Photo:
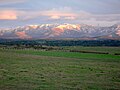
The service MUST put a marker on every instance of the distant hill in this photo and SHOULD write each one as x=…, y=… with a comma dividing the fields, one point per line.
x=62, y=31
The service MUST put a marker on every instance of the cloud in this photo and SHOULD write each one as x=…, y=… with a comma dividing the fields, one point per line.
x=2, y=2
x=56, y=14
x=107, y=17
x=64, y=15
x=60, y=12
x=55, y=17
x=68, y=14
x=8, y=15
x=70, y=18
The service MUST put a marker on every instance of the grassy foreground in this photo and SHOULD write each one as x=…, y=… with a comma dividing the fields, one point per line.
x=51, y=70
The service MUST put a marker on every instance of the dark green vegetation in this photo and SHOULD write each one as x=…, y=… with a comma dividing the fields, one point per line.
x=60, y=69
x=32, y=43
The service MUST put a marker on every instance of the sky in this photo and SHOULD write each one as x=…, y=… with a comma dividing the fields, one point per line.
x=15, y=13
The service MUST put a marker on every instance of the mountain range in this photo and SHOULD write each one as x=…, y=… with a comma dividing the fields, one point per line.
x=62, y=31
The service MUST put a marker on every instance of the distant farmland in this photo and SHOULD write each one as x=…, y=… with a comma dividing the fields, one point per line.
x=46, y=69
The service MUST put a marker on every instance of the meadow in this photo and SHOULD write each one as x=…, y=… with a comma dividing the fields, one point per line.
x=31, y=69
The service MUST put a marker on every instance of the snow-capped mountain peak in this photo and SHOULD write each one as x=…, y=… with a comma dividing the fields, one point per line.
x=61, y=31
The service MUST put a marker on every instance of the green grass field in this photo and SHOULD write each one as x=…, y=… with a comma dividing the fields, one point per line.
x=59, y=70
x=111, y=50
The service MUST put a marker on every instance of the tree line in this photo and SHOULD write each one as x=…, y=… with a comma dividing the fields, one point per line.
x=40, y=43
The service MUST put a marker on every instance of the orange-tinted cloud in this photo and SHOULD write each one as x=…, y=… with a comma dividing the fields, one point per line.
x=8, y=15
x=60, y=13
x=55, y=17
x=22, y=35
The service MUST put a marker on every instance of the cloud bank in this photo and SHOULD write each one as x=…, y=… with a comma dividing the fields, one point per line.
x=20, y=12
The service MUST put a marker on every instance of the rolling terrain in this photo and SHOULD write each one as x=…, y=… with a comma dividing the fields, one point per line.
x=62, y=31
